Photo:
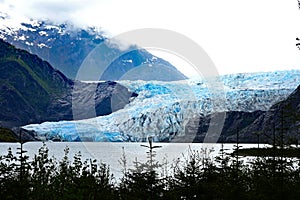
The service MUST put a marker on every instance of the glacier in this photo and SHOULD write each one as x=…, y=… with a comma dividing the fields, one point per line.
x=163, y=109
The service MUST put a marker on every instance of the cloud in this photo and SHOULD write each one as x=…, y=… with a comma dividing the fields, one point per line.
x=239, y=35
x=55, y=10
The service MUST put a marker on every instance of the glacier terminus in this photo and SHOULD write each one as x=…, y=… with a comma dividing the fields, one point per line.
x=163, y=109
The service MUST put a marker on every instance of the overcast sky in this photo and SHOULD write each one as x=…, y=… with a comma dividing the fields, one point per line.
x=238, y=35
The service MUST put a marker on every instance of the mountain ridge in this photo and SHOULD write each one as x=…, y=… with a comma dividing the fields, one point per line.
x=65, y=47
x=32, y=91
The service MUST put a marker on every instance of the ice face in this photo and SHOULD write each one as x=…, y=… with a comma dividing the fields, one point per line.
x=162, y=109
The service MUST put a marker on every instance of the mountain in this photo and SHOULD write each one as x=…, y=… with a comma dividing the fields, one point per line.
x=7, y=135
x=181, y=111
x=234, y=122
x=281, y=122
x=31, y=91
x=66, y=47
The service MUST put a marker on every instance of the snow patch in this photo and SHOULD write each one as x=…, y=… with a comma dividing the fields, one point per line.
x=22, y=38
x=29, y=43
x=43, y=33
x=41, y=45
x=127, y=61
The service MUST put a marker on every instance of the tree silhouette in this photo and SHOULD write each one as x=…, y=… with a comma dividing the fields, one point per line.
x=143, y=174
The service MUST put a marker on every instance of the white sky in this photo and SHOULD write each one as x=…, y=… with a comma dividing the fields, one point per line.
x=238, y=35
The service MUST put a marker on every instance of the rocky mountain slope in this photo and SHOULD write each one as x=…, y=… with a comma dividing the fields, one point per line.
x=234, y=121
x=280, y=124
x=31, y=91
x=65, y=47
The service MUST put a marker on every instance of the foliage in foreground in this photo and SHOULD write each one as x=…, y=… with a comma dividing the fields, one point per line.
x=196, y=176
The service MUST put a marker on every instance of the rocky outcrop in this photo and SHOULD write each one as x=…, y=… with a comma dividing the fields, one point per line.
x=234, y=121
x=31, y=91
x=280, y=124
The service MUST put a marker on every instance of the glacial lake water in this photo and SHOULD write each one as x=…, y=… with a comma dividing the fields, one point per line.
x=111, y=152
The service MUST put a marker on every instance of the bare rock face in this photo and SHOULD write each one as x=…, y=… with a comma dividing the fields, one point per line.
x=281, y=123
x=32, y=91
x=234, y=121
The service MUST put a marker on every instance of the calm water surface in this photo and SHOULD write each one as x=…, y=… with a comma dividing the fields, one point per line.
x=110, y=153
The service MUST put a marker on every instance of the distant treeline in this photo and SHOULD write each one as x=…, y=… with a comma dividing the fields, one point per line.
x=196, y=176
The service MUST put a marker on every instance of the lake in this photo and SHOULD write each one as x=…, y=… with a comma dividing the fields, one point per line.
x=111, y=152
